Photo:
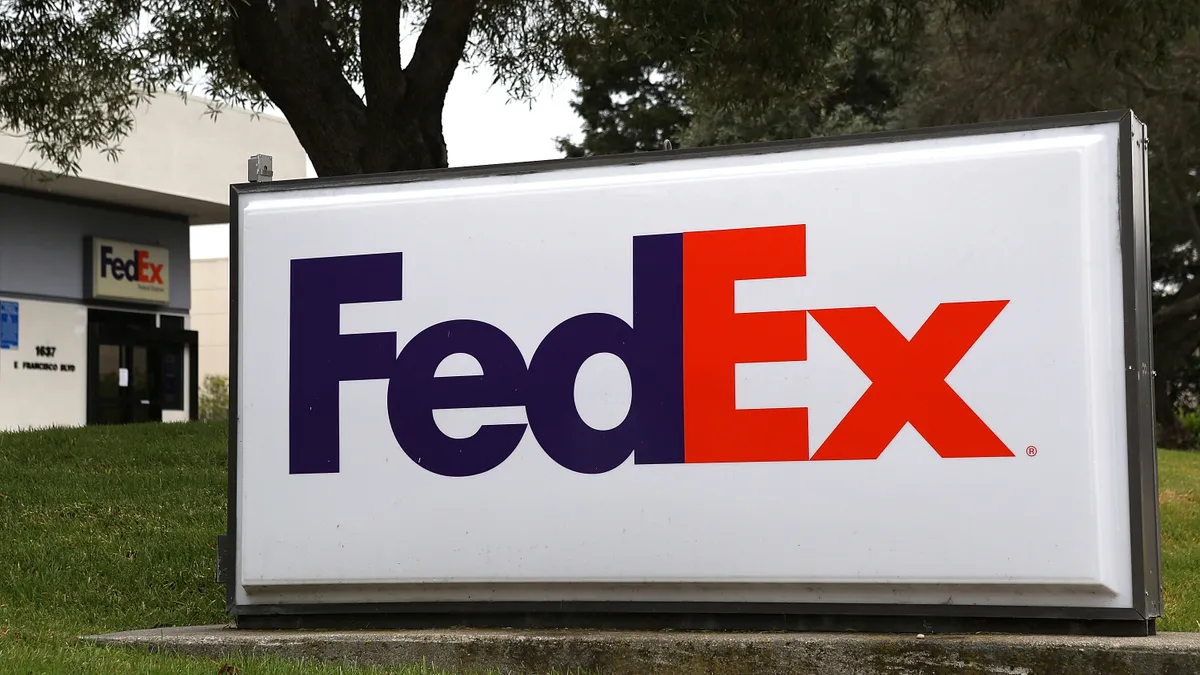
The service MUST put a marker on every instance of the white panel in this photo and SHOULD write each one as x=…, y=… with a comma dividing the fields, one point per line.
x=48, y=386
x=1028, y=217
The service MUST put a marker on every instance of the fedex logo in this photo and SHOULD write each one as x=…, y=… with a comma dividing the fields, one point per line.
x=138, y=269
x=680, y=351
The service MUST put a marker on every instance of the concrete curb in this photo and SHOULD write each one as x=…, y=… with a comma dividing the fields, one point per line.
x=690, y=653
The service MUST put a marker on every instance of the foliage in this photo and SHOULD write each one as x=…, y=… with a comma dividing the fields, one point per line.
x=71, y=75
x=856, y=92
x=1191, y=424
x=952, y=62
x=628, y=104
x=1036, y=57
x=774, y=86
x=214, y=398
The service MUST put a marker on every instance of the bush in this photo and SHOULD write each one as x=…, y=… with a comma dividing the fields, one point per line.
x=214, y=398
x=1191, y=423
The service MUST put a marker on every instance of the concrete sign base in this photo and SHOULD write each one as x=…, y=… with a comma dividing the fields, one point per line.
x=637, y=653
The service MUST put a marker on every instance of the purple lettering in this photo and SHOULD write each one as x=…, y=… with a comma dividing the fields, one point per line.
x=105, y=260
x=321, y=357
x=652, y=350
x=414, y=393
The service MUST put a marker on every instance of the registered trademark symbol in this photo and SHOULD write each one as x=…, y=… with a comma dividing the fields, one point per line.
x=1031, y=451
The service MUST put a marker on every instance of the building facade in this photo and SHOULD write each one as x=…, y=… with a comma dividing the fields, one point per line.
x=210, y=314
x=95, y=272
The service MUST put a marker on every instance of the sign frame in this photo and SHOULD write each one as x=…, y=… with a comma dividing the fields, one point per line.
x=1139, y=619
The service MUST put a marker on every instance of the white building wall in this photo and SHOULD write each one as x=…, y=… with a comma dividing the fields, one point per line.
x=178, y=159
x=210, y=315
x=34, y=397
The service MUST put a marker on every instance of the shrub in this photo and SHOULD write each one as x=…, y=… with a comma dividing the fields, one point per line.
x=1191, y=423
x=214, y=398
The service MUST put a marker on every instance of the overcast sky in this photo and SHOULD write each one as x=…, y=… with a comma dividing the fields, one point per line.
x=482, y=126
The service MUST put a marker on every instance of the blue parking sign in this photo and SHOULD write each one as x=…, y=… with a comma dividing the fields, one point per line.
x=10, y=324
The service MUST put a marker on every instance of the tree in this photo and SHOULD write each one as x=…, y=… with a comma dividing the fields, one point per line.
x=628, y=102
x=1018, y=58
x=71, y=75
x=1043, y=57
x=812, y=68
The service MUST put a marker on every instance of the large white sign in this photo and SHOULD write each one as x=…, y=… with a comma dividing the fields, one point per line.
x=857, y=373
x=129, y=272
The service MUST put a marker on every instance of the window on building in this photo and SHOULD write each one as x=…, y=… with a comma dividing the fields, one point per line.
x=171, y=322
x=172, y=377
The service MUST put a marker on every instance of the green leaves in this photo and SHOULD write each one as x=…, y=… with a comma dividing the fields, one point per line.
x=71, y=74
x=65, y=75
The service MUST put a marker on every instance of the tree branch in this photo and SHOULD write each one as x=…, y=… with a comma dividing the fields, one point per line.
x=1181, y=200
x=1189, y=217
x=379, y=40
x=440, y=48
x=1152, y=90
x=1180, y=308
x=287, y=54
x=383, y=79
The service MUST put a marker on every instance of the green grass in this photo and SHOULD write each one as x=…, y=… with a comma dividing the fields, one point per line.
x=1179, y=512
x=108, y=529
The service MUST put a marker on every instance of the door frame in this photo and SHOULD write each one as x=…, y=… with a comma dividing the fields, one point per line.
x=154, y=338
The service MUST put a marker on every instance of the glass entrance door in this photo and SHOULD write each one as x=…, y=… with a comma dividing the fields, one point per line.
x=138, y=368
x=127, y=381
x=109, y=396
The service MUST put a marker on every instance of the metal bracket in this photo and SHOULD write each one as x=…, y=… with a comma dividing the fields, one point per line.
x=259, y=169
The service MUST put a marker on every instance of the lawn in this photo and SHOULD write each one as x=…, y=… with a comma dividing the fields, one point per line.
x=109, y=528
x=1178, y=483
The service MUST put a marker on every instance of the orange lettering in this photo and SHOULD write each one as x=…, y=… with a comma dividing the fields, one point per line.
x=908, y=382
x=716, y=339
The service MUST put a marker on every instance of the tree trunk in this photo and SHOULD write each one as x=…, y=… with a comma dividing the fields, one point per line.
x=1176, y=340
x=289, y=50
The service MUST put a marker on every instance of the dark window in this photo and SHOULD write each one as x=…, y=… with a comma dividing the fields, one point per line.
x=172, y=322
x=114, y=318
x=172, y=377
x=108, y=387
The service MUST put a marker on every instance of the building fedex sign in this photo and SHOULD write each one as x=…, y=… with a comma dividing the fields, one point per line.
x=129, y=272
x=680, y=353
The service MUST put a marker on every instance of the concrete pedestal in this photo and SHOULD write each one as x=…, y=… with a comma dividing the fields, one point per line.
x=640, y=653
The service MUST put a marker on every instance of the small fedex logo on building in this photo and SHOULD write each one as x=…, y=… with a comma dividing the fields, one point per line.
x=138, y=270
x=680, y=350
x=129, y=272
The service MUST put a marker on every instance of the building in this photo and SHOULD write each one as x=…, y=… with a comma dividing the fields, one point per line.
x=95, y=269
x=210, y=314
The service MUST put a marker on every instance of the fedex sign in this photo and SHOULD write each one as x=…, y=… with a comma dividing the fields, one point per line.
x=680, y=352
x=138, y=269
x=909, y=374
x=132, y=272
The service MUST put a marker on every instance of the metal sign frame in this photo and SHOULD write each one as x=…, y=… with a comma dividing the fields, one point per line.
x=1142, y=452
